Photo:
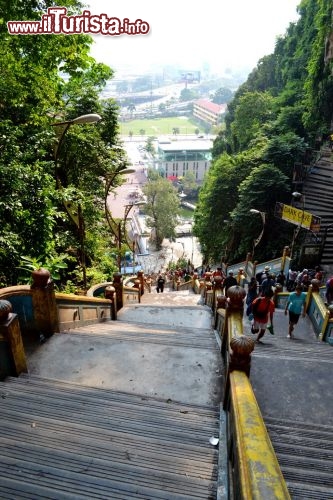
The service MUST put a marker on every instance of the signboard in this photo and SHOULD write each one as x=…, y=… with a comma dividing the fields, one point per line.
x=298, y=217
x=310, y=255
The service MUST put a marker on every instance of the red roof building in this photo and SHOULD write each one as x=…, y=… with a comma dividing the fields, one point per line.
x=208, y=111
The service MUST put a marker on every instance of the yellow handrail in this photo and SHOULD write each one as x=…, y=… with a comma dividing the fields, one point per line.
x=259, y=475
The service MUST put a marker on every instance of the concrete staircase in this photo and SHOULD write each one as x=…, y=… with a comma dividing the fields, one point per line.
x=292, y=383
x=318, y=191
x=305, y=454
x=120, y=410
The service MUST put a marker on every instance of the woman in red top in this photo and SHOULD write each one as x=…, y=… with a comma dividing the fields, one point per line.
x=262, y=309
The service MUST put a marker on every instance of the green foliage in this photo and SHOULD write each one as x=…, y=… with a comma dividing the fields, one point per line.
x=222, y=95
x=285, y=104
x=189, y=183
x=162, y=209
x=188, y=95
x=260, y=190
x=53, y=263
x=149, y=147
x=217, y=198
x=45, y=79
x=253, y=110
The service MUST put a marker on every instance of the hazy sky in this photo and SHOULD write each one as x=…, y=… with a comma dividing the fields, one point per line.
x=223, y=33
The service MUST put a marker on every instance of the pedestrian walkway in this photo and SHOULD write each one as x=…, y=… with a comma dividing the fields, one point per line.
x=291, y=379
x=118, y=410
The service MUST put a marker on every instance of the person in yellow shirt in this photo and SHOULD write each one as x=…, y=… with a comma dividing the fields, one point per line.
x=241, y=277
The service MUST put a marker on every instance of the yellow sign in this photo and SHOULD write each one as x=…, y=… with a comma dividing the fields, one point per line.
x=296, y=216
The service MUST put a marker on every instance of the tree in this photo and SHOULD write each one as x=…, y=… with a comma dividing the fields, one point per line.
x=253, y=110
x=142, y=131
x=188, y=95
x=34, y=94
x=222, y=95
x=260, y=190
x=162, y=209
x=188, y=182
x=149, y=147
x=131, y=108
x=217, y=199
x=175, y=130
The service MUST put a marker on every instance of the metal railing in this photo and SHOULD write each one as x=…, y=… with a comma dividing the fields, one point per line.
x=253, y=466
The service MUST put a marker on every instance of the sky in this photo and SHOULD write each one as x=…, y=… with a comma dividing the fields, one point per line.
x=221, y=33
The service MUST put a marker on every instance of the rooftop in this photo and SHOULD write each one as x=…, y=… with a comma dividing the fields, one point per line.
x=192, y=145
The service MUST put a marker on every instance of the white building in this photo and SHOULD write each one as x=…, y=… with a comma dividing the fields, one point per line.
x=176, y=158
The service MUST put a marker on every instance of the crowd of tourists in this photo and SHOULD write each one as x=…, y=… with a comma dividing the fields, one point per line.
x=261, y=288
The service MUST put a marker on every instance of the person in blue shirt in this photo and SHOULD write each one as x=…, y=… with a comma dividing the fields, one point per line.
x=296, y=305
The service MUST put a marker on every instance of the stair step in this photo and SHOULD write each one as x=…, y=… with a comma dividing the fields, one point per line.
x=305, y=454
x=175, y=316
x=121, y=330
x=82, y=442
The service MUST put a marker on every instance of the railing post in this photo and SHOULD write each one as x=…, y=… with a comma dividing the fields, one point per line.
x=217, y=286
x=148, y=283
x=118, y=285
x=141, y=277
x=239, y=347
x=240, y=355
x=110, y=293
x=285, y=254
x=11, y=334
x=137, y=284
x=45, y=309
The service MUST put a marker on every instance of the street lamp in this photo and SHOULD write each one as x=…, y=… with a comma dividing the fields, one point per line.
x=263, y=219
x=75, y=213
x=297, y=196
x=118, y=228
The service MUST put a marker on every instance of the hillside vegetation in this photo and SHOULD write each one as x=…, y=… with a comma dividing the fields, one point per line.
x=273, y=121
x=53, y=177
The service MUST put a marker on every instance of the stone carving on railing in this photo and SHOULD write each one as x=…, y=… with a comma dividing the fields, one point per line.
x=221, y=302
x=315, y=285
x=5, y=309
x=236, y=295
x=11, y=334
x=217, y=282
x=240, y=353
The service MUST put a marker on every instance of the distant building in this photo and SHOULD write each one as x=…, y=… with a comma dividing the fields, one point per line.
x=177, y=158
x=190, y=76
x=208, y=111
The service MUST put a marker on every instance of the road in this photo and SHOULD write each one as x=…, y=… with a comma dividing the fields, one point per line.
x=185, y=247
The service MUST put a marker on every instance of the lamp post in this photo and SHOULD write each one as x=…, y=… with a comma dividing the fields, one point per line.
x=118, y=228
x=297, y=196
x=263, y=219
x=75, y=212
x=122, y=236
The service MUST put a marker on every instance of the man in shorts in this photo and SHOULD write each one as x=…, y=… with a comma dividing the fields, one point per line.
x=262, y=309
x=296, y=305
